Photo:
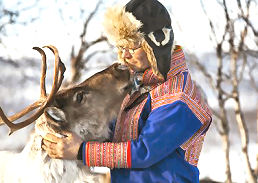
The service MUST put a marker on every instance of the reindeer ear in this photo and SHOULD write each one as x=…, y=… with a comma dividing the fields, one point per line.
x=80, y=97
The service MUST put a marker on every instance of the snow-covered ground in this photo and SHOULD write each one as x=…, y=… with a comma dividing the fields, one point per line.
x=212, y=162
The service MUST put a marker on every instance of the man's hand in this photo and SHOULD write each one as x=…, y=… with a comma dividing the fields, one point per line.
x=62, y=148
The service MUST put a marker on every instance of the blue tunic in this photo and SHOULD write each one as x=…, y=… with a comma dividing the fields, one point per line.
x=156, y=155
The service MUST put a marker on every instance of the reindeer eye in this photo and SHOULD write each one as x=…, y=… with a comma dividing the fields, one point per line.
x=79, y=97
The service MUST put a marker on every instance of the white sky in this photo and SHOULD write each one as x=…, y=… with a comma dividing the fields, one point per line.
x=51, y=29
x=190, y=25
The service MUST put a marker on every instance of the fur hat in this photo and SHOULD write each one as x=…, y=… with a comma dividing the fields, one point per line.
x=144, y=22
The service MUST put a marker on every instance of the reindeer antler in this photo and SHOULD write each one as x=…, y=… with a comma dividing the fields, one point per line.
x=44, y=100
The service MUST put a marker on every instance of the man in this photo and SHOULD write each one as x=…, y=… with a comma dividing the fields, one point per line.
x=161, y=125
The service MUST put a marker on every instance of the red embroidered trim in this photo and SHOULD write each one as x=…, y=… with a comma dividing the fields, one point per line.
x=149, y=78
x=87, y=154
x=112, y=155
x=178, y=63
x=127, y=123
x=193, y=152
x=129, y=159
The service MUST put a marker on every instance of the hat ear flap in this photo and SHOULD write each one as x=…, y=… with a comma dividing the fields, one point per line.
x=152, y=59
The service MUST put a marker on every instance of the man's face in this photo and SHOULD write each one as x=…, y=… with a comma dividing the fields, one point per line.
x=136, y=59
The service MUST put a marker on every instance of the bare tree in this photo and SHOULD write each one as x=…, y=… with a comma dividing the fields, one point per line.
x=7, y=17
x=256, y=169
x=78, y=60
x=222, y=122
x=252, y=67
x=238, y=53
x=11, y=16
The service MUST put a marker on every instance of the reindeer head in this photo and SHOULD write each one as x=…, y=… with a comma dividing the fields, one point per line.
x=85, y=109
x=88, y=108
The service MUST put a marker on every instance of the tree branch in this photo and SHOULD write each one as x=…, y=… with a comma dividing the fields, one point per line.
x=86, y=23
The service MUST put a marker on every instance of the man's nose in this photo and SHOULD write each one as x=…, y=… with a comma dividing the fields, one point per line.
x=127, y=54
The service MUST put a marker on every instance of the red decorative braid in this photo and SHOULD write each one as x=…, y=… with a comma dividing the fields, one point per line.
x=127, y=121
x=193, y=152
x=112, y=155
x=87, y=154
x=178, y=63
x=129, y=159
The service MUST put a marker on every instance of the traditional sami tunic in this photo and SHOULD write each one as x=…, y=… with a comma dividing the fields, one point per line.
x=158, y=135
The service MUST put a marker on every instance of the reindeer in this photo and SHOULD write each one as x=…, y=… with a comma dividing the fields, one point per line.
x=85, y=109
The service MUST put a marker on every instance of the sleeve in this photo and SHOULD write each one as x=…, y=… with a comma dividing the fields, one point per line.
x=166, y=128
x=108, y=154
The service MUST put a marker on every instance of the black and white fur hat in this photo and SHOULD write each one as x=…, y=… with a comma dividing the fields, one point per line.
x=145, y=22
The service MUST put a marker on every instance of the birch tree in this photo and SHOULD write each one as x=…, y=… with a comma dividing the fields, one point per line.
x=231, y=46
